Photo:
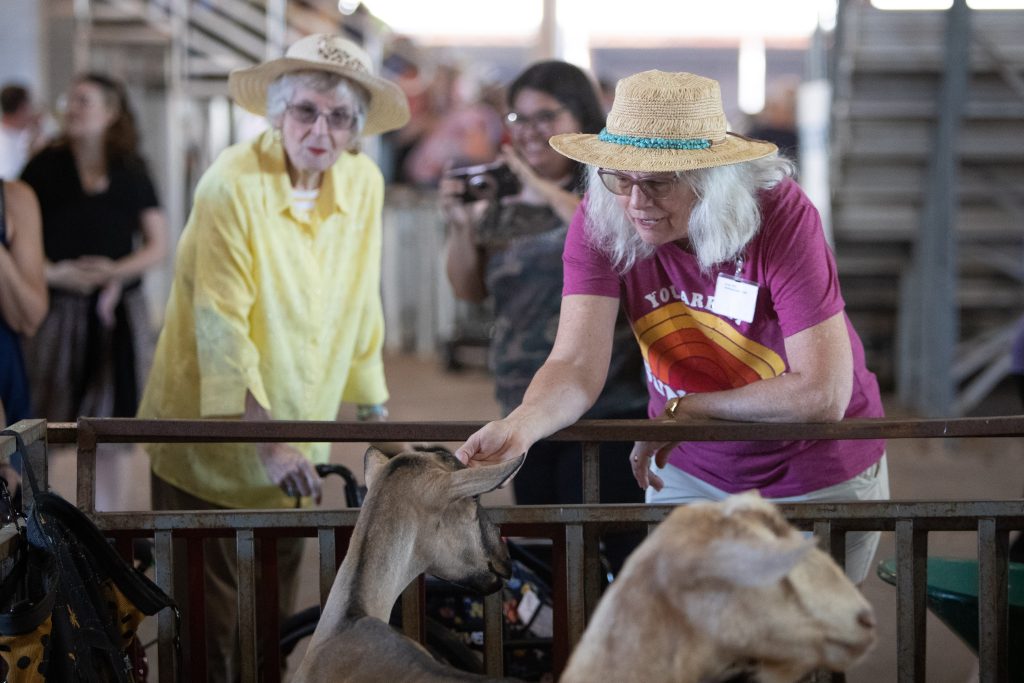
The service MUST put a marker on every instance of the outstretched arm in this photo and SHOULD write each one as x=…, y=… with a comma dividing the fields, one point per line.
x=562, y=390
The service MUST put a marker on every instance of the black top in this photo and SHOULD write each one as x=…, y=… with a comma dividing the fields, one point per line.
x=78, y=224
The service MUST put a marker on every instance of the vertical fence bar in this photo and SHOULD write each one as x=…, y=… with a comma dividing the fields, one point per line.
x=328, y=540
x=833, y=542
x=167, y=620
x=245, y=544
x=911, y=581
x=35, y=454
x=494, y=645
x=195, y=562
x=591, y=453
x=269, y=617
x=993, y=614
x=86, y=467
x=573, y=568
x=413, y=624
x=561, y=647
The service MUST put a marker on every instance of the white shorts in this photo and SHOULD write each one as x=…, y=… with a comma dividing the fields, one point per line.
x=871, y=484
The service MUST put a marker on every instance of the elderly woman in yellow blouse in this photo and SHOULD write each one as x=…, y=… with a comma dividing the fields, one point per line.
x=275, y=311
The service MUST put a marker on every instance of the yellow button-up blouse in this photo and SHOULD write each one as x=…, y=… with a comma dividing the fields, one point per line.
x=281, y=303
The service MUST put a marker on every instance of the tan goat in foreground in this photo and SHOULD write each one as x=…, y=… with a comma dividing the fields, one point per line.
x=421, y=515
x=720, y=589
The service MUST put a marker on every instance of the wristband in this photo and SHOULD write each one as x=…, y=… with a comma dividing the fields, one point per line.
x=377, y=411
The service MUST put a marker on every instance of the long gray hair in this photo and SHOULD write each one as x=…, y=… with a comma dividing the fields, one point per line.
x=724, y=218
x=282, y=90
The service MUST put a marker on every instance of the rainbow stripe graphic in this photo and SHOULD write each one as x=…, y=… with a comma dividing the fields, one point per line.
x=697, y=351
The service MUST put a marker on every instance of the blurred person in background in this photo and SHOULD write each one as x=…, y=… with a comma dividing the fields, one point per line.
x=23, y=295
x=466, y=127
x=23, y=303
x=275, y=310
x=20, y=130
x=510, y=248
x=103, y=229
x=776, y=122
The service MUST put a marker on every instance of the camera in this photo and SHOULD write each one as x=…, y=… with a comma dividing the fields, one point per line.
x=486, y=181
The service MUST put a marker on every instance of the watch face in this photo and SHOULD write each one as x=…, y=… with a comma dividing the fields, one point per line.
x=672, y=406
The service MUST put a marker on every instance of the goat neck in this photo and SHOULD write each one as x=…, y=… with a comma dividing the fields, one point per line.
x=381, y=561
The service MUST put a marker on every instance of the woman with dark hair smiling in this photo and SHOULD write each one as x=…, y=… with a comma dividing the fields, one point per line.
x=511, y=249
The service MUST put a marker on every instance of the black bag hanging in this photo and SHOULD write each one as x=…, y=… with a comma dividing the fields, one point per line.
x=84, y=602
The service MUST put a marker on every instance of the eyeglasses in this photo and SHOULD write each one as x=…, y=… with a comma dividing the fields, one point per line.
x=542, y=119
x=307, y=114
x=655, y=187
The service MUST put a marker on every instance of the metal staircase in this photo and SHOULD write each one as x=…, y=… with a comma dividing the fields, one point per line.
x=928, y=198
x=214, y=36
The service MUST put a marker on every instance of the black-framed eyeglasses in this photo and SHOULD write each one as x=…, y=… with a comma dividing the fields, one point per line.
x=655, y=187
x=337, y=119
x=541, y=119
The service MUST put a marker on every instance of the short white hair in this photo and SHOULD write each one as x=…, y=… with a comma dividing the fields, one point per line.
x=282, y=90
x=724, y=218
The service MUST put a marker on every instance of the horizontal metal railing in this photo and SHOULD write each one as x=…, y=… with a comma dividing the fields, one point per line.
x=574, y=529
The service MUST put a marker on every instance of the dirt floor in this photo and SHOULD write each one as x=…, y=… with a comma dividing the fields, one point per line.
x=963, y=469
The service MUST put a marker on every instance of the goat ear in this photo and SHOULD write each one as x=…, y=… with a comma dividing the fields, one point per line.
x=741, y=562
x=472, y=481
x=374, y=462
x=749, y=562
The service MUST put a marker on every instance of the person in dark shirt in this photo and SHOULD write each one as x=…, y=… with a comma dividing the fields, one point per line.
x=102, y=230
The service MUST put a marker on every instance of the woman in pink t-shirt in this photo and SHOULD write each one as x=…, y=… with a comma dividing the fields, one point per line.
x=720, y=262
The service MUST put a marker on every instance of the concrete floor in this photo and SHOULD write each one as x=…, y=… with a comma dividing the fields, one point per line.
x=961, y=469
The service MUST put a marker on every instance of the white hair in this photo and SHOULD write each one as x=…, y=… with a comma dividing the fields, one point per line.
x=282, y=90
x=724, y=217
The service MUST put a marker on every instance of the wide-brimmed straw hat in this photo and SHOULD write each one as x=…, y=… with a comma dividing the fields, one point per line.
x=663, y=122
x=387, y=109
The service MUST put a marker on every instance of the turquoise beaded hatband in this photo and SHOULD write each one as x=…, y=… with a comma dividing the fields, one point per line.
x=663, y=121
x=652, y=143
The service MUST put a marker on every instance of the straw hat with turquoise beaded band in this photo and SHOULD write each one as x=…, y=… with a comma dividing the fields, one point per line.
x=663, y=121
x=387, y=108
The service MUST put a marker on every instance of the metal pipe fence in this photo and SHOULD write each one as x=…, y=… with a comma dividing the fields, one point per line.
x=573, y=529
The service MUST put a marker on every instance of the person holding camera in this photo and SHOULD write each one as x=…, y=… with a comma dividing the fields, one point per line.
x=507, y=225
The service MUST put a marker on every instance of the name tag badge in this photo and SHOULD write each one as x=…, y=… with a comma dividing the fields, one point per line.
x=735, y=298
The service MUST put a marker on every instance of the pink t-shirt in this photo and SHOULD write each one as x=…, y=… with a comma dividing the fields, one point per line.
x=689, y=349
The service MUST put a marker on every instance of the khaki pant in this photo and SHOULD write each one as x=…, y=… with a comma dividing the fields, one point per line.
x=871, y=484
x=220, y=587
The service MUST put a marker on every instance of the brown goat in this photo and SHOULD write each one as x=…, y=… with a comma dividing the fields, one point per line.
x=720, y=589
x=421, y=515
